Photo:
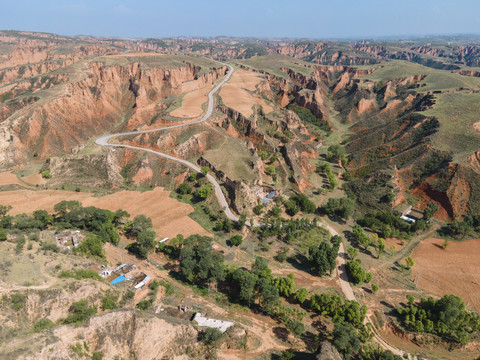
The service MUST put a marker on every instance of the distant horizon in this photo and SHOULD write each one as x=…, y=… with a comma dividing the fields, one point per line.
x=379, y=37
x=268, y=19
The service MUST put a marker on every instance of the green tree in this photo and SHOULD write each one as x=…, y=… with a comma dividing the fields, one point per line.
x=270, y=170
x=357, y=274
x=46, y=174
x=352, y=253
x=291, y=207
x=205, y=170
x=184, y=189
x=335, y=153
x=380, y=246
x=258, y=209
x=3, y=235
x=92, y=246
x=285, y=286
x=346, y=340
x=323, y=258
x=236, y=240
x=301, y=295
x=204, y=192
x=211, y=337
x=410, y=262
x=4, y=209
x=275, y=211
x=430, y=211
x=79, y=312
x=262, y=154
x=296, y=328
x=374, y=288
x=243, y=283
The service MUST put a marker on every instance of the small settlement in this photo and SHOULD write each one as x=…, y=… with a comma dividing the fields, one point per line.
x=126, y=272
x=67, y=240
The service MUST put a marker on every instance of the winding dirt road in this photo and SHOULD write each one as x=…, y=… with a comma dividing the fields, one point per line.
x=341, y=260
x=104, y=141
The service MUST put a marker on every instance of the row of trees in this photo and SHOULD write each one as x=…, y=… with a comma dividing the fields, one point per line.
x=326, y=169
x=103, y=226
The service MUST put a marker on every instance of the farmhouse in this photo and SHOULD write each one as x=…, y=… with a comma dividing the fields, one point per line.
x=221, y=325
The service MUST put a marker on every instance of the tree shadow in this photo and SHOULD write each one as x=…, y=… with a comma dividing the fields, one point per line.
x=311, y=340
x=281, y=333
x=386, y=304
x=300, y=262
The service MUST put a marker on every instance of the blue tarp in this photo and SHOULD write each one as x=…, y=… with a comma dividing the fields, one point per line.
x=271, y=195
x=118, y=280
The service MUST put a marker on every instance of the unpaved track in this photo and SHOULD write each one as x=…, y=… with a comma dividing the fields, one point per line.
x=341, y=260
x=104, y=141
x=349, y=295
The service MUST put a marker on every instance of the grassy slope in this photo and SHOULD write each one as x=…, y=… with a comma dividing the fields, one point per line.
x=457, y=111
x=435, y=80
x=274, y=63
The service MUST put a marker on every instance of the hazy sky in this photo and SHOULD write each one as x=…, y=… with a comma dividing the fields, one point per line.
x=256, y=18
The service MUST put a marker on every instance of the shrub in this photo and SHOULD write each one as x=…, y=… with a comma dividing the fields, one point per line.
x=43, y=324
x=109, y=302
x=80, y=274
x=79, y=312
x=46, y=174
x=144, y=304
x=258, y=209
x=50, y=247
x=18, y=301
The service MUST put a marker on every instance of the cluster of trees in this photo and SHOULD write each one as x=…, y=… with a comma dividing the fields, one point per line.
x=326, y=169
x=303, y=203
x=202, y=191
x=469, y=226
x=348, y=311
x=336, y=153
x=445, y=317
x=102, y=224
x=198, y=263
x=343, y=207
x=357, y=273
x=387, y=224
x=286, y=230
x=323, y=259
x=141, y=229
x=258, y=288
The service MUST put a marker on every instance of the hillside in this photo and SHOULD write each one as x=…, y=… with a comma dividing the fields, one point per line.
x=299, y=189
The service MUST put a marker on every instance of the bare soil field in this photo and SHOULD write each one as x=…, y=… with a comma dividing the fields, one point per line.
x=455, y=270
x=192, y=103
x=8, y=178
x=235, y=95
x=35, y=179
x=169, y=216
